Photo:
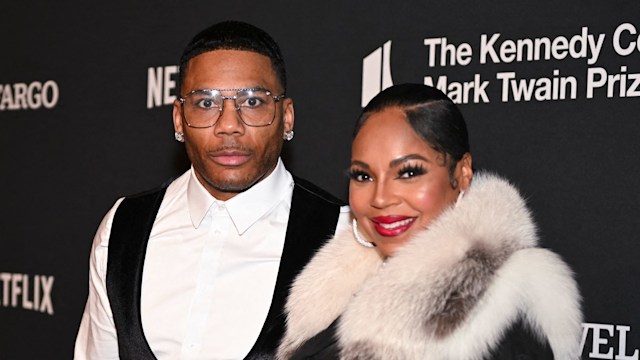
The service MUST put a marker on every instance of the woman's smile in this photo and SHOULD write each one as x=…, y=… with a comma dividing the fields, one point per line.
x=392, y=225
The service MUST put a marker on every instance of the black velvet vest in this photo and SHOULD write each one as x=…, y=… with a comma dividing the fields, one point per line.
x=312, y=220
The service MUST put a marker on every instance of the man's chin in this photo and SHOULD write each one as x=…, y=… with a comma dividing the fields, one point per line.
x=229, y=183
x=233, y=186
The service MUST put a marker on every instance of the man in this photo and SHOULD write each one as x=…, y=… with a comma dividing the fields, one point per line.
x=221, y=244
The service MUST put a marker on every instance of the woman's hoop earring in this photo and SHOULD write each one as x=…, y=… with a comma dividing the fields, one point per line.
x=460, y=195
x=358, y=237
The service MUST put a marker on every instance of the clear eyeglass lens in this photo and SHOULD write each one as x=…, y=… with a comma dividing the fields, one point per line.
x=256, y=107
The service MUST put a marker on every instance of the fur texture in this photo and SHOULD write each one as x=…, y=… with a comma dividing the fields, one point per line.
x=449, y=293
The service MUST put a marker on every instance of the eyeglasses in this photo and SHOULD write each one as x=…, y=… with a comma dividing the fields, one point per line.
x=256, y=106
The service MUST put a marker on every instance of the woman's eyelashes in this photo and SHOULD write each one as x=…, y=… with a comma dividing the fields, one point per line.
x=405, y=172
x=410, y=171
x=359, y=175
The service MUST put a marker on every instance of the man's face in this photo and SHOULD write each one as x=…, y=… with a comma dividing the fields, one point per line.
x=230, y=157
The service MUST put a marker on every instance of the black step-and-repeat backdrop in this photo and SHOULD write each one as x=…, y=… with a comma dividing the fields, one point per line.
x=550, y=90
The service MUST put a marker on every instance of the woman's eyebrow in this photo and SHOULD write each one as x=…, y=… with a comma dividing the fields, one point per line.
x=402, y=159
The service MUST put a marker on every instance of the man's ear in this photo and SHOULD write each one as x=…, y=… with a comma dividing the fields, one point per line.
x=177, y=116
x=288, y=114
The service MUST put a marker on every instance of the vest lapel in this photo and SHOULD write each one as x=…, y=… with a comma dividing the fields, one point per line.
x=130, y=232
x=312, y=221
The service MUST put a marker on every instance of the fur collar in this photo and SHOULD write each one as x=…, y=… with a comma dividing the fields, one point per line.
x=452, y=290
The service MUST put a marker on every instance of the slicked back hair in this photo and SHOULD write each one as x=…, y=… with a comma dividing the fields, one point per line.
x=431, y=114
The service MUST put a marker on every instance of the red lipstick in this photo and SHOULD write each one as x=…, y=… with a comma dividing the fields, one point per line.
x=392, y=225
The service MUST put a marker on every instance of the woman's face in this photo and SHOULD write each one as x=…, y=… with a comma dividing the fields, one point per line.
x=399, y=183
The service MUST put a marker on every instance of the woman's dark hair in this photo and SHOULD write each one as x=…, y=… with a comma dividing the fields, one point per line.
x=234, y=35
x=431, y=114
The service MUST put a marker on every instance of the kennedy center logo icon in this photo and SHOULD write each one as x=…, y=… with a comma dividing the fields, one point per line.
x=376, y=72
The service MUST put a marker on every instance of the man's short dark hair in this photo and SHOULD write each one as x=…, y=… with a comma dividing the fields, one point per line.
x=234, y=35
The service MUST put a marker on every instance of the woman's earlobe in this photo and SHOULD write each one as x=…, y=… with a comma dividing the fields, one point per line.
x=466, y=171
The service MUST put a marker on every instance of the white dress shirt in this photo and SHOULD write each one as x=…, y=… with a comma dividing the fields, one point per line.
x=209, y=272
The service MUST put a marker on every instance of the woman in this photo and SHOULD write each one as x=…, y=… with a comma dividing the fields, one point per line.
x=436, y=266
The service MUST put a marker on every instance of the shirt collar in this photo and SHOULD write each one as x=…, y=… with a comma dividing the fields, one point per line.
x=248, y=206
